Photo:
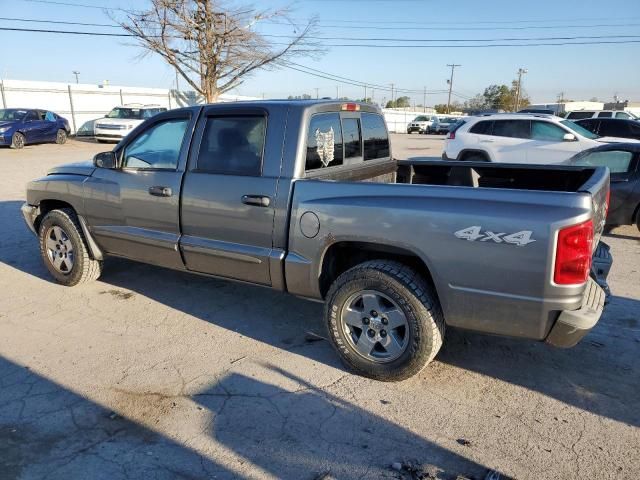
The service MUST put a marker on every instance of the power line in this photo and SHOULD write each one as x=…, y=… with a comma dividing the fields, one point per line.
x=383, y=39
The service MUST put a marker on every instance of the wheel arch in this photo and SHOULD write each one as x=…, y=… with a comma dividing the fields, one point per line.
x=341, y=256
x=470, y=151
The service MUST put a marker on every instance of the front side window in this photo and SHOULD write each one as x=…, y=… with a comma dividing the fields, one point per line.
x=374, y=136
x=158, y=147
x=511, y=128
x=233, y=145
x=605, y=115
x=618, y=161
x=32, y=116
x=324, y=141
x=546, y=132
x=352, y=139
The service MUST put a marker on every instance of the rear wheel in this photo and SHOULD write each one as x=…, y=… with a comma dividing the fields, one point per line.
x=61, y=137
x=17, y=141
x=64, y=250
x=384, y=320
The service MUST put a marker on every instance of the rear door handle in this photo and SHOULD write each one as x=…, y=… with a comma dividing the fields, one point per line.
x=160, y=191
x=256, y=200
x=487, y=141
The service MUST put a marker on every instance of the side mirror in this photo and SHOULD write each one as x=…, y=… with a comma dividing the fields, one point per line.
x=569, y=137
x=105, y=160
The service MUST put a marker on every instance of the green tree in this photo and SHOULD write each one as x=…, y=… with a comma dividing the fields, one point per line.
x=441, y=108
x=403, y=102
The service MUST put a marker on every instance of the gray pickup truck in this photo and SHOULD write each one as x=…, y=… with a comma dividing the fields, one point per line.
x=305, y=197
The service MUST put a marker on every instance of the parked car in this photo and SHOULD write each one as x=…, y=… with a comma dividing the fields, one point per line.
x=120, y=121
x=612, y=127
x=623, y=161
x=422, y=124
x=580, y=114
x=442, y=125
x=22, y=126
x=311, y=202
x=519, y=138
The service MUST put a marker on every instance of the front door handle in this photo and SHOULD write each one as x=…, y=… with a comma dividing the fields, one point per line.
x=256, y=200
x=159, y=191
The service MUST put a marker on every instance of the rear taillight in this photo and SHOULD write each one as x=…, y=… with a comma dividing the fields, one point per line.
x=573, y=254
x=451, y=135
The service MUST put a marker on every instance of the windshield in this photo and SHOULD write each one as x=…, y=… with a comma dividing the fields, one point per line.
x=579, y=130
x=12, y=114
x=450, y=120
x=420, y=119
x=129, y=113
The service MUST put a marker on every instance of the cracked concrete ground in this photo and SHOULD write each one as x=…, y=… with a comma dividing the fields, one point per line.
x=150, y=373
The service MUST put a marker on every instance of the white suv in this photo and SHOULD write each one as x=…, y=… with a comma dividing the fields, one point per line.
x=580, y=114
x=121, y=120
x=519, y=138
x=422, y=124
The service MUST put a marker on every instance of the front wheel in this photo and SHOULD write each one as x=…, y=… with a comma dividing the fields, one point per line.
x=64, y=250
x=384, y=320
x=61, y=137
x=17, y=141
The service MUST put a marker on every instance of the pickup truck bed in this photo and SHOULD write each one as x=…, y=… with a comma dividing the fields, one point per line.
x=305, y=197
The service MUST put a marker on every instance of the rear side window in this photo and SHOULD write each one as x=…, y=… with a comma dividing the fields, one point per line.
x=511, y=128
x=579, y=115
x=232, y=145
x=546, y=132
x=324, y=141
x=352, y=139
x=605, y=115
x=623, y=115
x=375, y=137
x=482, y=128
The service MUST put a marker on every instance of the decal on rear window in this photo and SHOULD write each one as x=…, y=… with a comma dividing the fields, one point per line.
x=325, y=142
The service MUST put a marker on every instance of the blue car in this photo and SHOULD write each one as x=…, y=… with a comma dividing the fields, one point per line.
x=20, y=126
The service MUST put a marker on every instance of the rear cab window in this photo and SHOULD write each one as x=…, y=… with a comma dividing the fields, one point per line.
x=335, y=140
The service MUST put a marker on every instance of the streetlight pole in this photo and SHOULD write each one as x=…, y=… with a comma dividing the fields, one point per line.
x=453, y=67
x=521, y=71
x=76, y=73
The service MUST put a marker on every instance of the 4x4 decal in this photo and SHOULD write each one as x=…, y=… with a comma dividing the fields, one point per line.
x=475, y=233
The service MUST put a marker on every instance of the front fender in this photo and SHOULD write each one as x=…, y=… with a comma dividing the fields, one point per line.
x=61, y=188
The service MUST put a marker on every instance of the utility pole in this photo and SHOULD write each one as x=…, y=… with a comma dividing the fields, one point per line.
x=424, y=101
x=76, y=73
x=521, y=71
x=317, y=94
x=450, y=81
x=177, y=85
x=337, y=92
x=365, y=94
x=393, y=100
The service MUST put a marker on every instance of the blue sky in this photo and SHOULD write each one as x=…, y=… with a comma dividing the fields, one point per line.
x=580, y=71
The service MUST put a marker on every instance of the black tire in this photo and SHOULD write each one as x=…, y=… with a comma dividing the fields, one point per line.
x=17, y=141
x=475, y=157
x=417, y=301
x=61, y=137
x=101, y=141
x=84, y=268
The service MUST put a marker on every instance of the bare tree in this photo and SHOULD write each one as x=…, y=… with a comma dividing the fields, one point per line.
x=212, y=45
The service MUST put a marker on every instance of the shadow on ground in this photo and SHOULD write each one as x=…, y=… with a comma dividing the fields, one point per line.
x=48, y=431
x=599, y=375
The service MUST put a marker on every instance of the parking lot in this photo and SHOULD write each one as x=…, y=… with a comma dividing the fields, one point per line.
x=150, y=373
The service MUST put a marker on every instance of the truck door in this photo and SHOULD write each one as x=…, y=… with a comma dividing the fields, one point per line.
x=228, y=195
x=133, y=210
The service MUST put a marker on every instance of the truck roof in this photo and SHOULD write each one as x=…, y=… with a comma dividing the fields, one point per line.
x=320, y=105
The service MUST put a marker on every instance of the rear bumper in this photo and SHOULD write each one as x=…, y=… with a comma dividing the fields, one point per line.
x=573, y=325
